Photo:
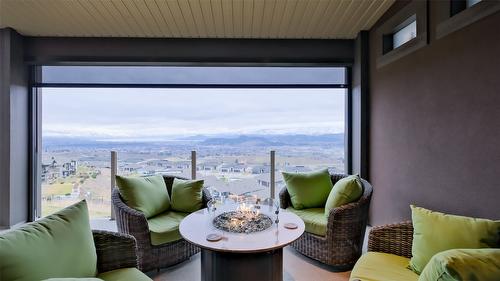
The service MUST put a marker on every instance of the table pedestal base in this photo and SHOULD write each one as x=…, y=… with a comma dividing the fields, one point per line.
x=224, y=266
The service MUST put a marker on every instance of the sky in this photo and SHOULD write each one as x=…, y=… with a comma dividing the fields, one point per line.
x=114, y=113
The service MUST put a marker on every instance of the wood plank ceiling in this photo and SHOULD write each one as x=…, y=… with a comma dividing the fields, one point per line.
x=321, y=19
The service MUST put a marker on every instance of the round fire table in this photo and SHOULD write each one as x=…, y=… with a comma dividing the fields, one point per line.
x=241, y=256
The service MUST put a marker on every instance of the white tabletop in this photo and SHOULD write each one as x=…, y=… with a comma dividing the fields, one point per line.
x=196, y=226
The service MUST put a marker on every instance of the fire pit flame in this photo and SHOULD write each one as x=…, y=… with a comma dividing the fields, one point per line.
x=246, y=219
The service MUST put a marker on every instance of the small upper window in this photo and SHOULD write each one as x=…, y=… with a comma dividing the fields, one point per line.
x=402, y=34
x=471, y=3
x=405, y=34
x=456, y=6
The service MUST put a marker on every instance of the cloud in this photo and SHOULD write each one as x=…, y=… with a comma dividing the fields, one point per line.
x=125, y=113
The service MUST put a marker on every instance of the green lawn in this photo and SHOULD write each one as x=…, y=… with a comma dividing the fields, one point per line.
x=57, y=189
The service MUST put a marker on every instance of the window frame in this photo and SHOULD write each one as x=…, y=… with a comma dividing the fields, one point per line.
x=415, y=10
x=36, y=112
x=449, y=23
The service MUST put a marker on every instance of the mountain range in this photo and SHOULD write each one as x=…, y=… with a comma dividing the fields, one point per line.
x=229, y=140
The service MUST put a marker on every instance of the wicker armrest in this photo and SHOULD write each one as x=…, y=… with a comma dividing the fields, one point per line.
x=284, y=198
x=130, y=221
x=114, y=250
x=347, y=211
x=349, y=220
x=392, y=239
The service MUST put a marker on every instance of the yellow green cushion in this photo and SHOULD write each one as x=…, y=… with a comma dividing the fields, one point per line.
x=463, y=264
x=164, y=228
x=434, y=232
x=374, y=266
x=308, y=190
x=314, y=219
x=124, y=274
x=59, y=245
x=146, y=194
x=187, y=195
x=346, y=190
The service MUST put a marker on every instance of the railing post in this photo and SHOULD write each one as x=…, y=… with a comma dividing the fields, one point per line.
x=114, y=169
x=193, y=164
x=272, y=173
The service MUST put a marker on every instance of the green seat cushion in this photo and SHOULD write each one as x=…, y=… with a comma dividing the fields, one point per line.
x=373, y=266
x=308, y=190
x=58, y=245
x=124, y=274
x=187, y=195
x=434, y=232
x=164, y=228
x=463, y=264
x=314, y=219
x=346, y=190
x=146, y=194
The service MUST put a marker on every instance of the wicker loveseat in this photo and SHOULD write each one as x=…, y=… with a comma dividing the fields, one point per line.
x=133, y=222
x=395, y=240
x=342, y=244
x=390, y=251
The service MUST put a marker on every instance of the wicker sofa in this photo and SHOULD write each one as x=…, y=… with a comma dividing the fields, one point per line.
x=133, y=222
x=395, y=240
x=346, y=225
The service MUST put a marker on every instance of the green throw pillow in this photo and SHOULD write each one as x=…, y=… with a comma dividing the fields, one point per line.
x=56, y=246
x=308, y=190
x=346, y=190
x=187, y=195
x=146, y=194
x=434, y=232
x=463, y=264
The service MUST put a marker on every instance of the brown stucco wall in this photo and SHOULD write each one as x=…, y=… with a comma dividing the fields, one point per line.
x=435, y=125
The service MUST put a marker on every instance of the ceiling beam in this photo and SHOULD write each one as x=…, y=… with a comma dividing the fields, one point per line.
x=85, y=50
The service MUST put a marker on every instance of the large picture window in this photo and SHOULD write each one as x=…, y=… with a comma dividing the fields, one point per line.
x=154, y=130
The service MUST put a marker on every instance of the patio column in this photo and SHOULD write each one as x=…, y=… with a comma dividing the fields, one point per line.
x=14, y=131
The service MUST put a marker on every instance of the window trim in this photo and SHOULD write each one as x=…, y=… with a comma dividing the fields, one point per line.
x=448, y=24
x=35, y=100
x=415, y=10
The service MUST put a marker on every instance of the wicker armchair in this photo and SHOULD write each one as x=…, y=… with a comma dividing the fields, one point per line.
x=342, y=245
x=114, y=250
x=393, y=239
x=133, y=222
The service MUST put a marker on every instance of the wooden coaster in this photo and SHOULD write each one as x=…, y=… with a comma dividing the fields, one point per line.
x=291, y=225
x=214, y=237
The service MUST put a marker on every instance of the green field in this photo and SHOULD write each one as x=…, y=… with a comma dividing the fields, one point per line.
x=57, y=189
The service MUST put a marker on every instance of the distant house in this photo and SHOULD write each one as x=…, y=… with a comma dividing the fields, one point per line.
x=158, y=163
x=232, y=168
x=51, y=172
x=69, y=169
x=265, y=180
x=207, y=166
x=184, y=164
x=130, y=168
x=259, y=169
x=296, y=169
